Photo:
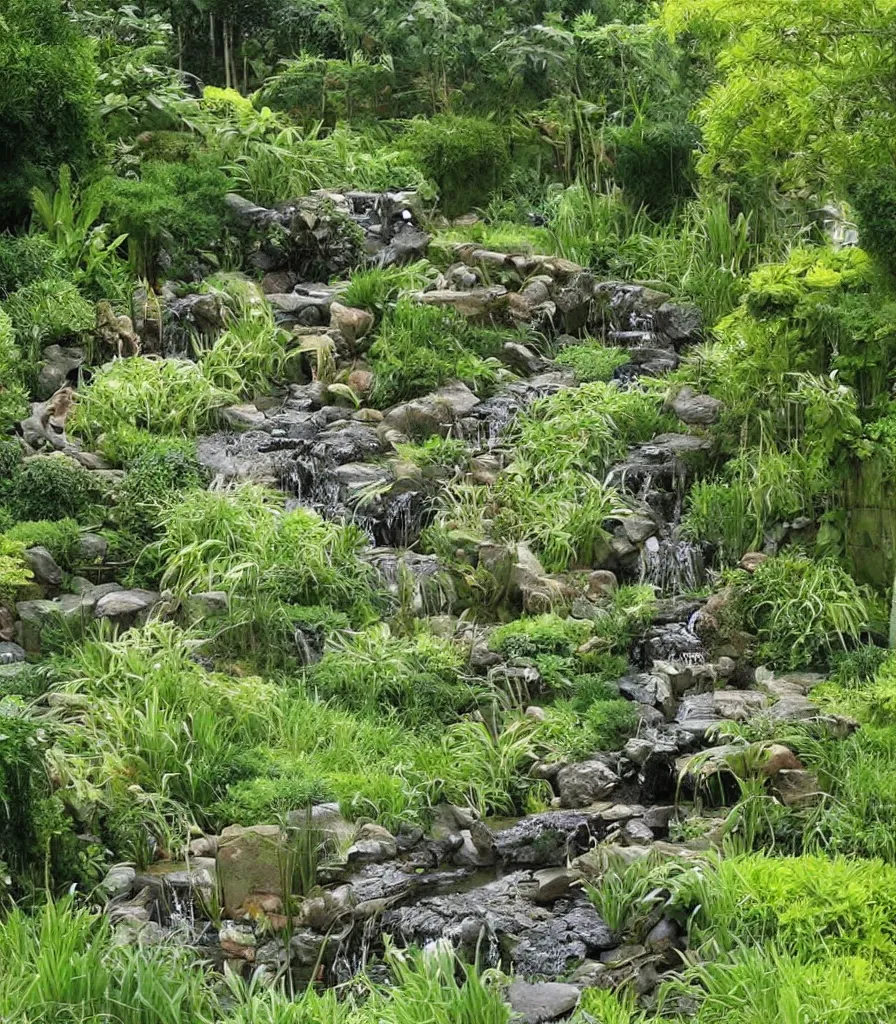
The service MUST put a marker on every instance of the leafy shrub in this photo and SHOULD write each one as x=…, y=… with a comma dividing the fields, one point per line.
x=52, y=309
x=592, y=361
x=162, y=396
x=251, y=354
x=541, y=634
x=801, y=610
x=24, y=259
x=13, y=396
x=157, y=470
x=551, y=495
x=242, y=542
x=375, y=288
x=176, y=209
x=53, y=487
x=48, y=110
x=30, y=818
x=467, y=158
x=653, y=162
x=420, y=678
x=794, y=901
x=419, y=348
x=443, y=452
x=874, y=199
x=14, y=573
x=313, y=89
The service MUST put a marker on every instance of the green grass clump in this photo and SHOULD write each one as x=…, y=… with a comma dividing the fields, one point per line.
x=163, y=396
x=377, y=288
x=592, y=361
x=552, y=495
x=421, y=678
x=61, y=538
x=65, y=956
x=242, y=542
x=802, y=610
x=541, y=634
x=419, y=348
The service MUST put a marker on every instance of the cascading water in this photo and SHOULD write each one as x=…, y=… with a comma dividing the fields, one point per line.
x=672, y=565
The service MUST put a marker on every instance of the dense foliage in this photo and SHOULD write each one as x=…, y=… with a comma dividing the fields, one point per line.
x=334, y=586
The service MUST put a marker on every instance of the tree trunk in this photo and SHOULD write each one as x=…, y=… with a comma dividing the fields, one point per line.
x=225, y=35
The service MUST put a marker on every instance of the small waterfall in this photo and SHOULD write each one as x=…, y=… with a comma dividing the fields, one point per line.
x=672, y=565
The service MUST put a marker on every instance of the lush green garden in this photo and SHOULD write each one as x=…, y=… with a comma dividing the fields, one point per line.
x=733, y=159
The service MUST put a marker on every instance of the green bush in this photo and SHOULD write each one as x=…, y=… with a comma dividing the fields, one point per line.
x=802, y=611
x=241, y=541
x=653, y=163
x=13, y=396
x=61, y=538
x=467, y=158
x=174, y=214
x=874, y=200
x=48, y=108
x=420, y=679
x=541, y=634
x=162, y=396
x=51, y=309
x=592, y=361
x=53, y=487
x=26, y=258
x=419, y=348
x=313, y=89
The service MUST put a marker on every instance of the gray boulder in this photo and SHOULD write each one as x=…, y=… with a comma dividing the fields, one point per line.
x=43, y=567
x=695, y=409
x=125, y=606
x=585, y=783
x=542, y=1001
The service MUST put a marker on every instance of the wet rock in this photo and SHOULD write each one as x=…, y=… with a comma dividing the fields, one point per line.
x=522, y=359
x=663, y=937
x=433, y=413
x=543, y=1001
x=638, y=528
x=60, y=367
x=243, y=417
x=249, y=863
x=93, y=548
x=656, y=777
x=548, y=839
x=796, y=787
x=238, y=941
x=477, y=302
x=118, y=880
x=657, y=818
x=752, y=560
x=10, y=653
x=695, y=409
x=602, y=583
x=321, y=910
x=636, y=833
x=738, y=705
x=352, y=324
x=552, y=884
x=585, y=783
